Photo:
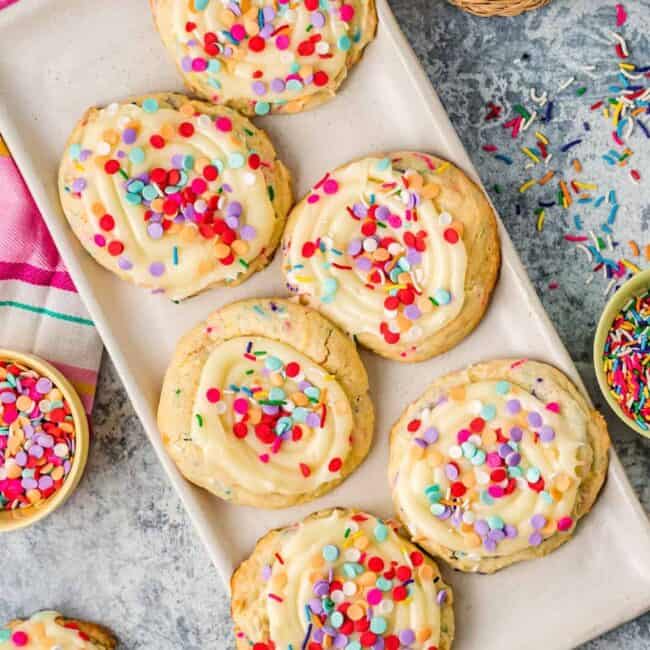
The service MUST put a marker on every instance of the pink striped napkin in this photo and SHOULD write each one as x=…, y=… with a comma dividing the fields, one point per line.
x=40, y=309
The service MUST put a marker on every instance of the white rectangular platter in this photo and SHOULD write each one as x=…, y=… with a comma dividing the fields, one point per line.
x=59, y=56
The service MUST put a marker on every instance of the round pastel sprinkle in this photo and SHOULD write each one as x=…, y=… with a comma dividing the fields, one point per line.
x=330, y=553
x=150, y=105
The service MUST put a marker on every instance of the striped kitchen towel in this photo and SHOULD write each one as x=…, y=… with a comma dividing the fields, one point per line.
x=40, y=309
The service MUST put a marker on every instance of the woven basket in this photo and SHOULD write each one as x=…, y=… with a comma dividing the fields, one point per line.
x=498, y=7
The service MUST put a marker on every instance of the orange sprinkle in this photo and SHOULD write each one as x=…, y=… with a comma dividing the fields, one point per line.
x=634, y=247
x=646, y=252
x=546, y=178
x=567, y=197
x=577, y=165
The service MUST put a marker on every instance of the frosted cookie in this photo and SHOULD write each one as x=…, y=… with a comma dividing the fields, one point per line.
x=265, y=56
x=266, y=404
x=173, y=194
x=497, y=463
x=340, y=579
x=52, y=631
x=401, y=251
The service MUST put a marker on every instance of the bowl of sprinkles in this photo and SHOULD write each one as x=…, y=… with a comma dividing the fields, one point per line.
x=622, y=353
x=43, y=439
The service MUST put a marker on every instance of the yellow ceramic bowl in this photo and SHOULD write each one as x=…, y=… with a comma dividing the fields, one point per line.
x=635, y=286
x=14, y=519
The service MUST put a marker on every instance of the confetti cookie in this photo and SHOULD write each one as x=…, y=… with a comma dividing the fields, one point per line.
x=266, y=404
x=496, y=464
x=401, y=251
x=265, y=56
x=52, y=631
x=174, y=194
x=340, y=579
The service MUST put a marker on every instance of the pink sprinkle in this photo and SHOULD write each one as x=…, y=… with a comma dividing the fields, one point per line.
x=496, y=491
x=347, y=13
x=224, y=124
x=313, y=198
x=494, y=460
x=330, y=186
x=575, y=238
x=621, y=15
x=240, y=405
x=100, y=240
x=199, y=65
x=264, y=458
x=238, y=32
x=617, y=139
x=282, y=42
x=374, y=597
x=19, y=638
x=463, y=435
x=564, y=523
x=553, y=406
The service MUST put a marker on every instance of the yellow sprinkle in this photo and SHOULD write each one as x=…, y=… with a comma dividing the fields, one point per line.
x=541, y=137
x=530, y=154
x=526, y=186
x=586, y=186
x=627, y=66
x=632, y=267
x=540, y=221
x=617, y=113
x=303, y=278
x=442, y=167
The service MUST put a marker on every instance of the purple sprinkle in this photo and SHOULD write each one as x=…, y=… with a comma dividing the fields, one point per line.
x=512, y=460
x=44, y=385
x=359, y=210
x=496, y=535
x=535, y=539
x=340, y=641
x=407, y=637
x=259, y=88
x=321, y=588
x=156, y=269
x=546, y=434
x=177, y=161
x=129, y=135
x=441, y=597
x=7, y=398
x=535, y=419
x=155, y=230
x=79, y=185
x=516, y=434
x=513, y=406
x=489, y=544
x=45, y=440
x=354, y=247
x=504, y=450
x=431, y=435
x=318, y=635
x=268, y=13
x=511, y=531
x=186, y=64
x=312, y=420
x=277, y=85
x=266, y=572
x=538, y=521
x=45, y=482
x=36, y=451
x=247, y=233
x=481, y=527
x=451, y=471
x=85, y=154
x=125, y=263
x=382, y=213
x=266, y=32
x=420, y=442
x=29, y=483
x=232, y=222
x=412, y=312
x=315, y=605
x=317, y=19
x=413, y=257
x=234, y=209
x=21, y=458
x=363, y=263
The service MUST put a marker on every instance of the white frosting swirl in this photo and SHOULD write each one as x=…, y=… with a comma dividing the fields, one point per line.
x=307, y=437
x=489, y=469
x=274, y=55
x=337, y=549
x=127, y=220
x=352, y=273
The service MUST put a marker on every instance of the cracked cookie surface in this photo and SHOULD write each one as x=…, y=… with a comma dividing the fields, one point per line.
x=266, y=404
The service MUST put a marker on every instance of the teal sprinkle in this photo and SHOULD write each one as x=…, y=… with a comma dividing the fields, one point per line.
x=273, y=363
x=294, y=85
x=515, y=472
x=383, y=584
x=533, y=474
x=486, y=498
x=150, y=105
x=495, y=522
x=135, y=186
x=381, y=532
x=262, y=108
x=546, y=496
x=344, y=43
x=503, y=387
x=383, y=164
x=175, y=256
x=74, y=151
x=5, y=635
x=201, y=4
x=437, y=509
x=295, y=67
x=133, y=199
x=136, y=155
x=188, y=162
x=469, y=449
x=214, y=83
x=488, y=412
x=214, y=65
x=149, y=193
x=478, y=458
x=236, y=160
